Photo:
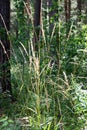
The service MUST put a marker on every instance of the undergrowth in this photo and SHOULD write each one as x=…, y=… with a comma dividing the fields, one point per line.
x=50, y=91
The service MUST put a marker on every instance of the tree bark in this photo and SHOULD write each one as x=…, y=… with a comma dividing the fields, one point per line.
x=37, y=22
x=5, y=79
x=67, y=10
x=79, y=9
x=67, y=4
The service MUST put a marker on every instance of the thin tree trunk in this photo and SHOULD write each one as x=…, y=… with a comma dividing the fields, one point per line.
x=67, y=4
x=67, y=10
x=79, y=9
x=5, y=80
x=37, y=22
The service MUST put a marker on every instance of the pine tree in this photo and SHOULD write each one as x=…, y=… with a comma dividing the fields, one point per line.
x=37, y=22
x=5, y=80
x=79, y=9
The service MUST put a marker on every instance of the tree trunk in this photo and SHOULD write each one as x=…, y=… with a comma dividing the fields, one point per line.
x=67, y=10
x=5, y=80
x=37, y=22
x=67, y=4
x=79, y=9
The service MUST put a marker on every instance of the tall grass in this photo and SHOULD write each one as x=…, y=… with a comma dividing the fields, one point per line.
x=46, y=95
x=50, y=97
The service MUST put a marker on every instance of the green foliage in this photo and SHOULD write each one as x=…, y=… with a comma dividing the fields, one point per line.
x=49, y=85
x=8, y=124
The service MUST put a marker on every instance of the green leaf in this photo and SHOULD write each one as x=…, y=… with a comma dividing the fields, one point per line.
x=5, y=124
x=3, y=119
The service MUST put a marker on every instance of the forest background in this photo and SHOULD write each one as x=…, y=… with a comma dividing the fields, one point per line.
x=43, y=64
